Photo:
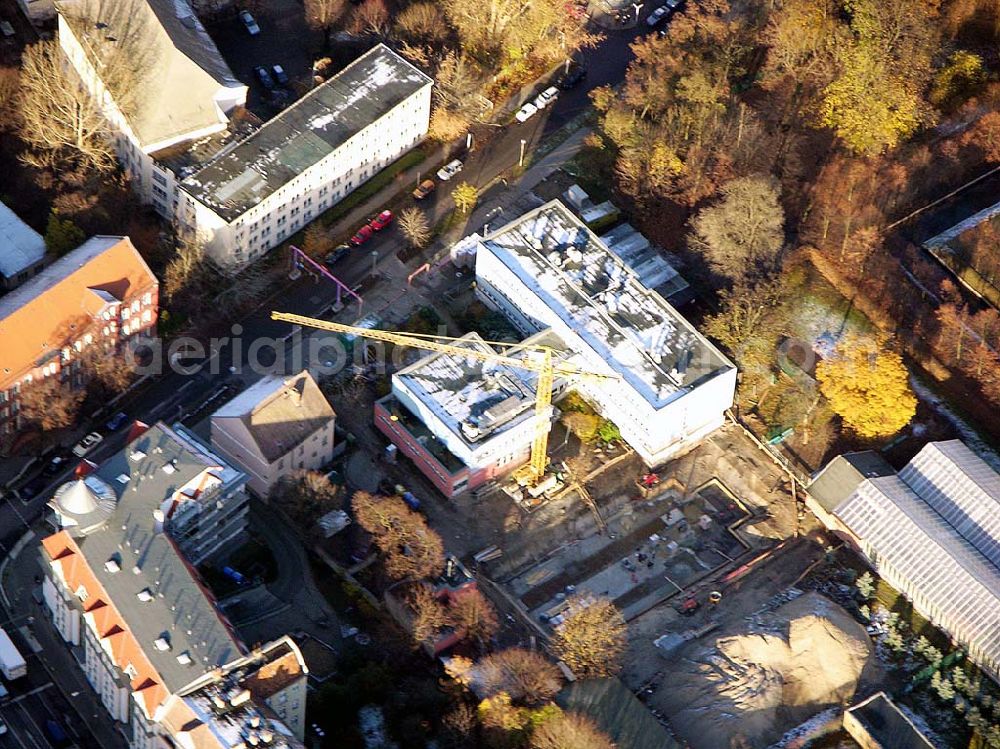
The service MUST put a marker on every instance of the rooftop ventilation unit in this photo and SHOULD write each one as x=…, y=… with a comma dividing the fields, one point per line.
x=112, y=565
x=184, y=659
x=162, y=644
x=145, y=595
x=169, y=468
x=136, y=455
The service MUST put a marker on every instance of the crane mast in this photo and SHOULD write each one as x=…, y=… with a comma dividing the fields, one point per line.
x=539, y=359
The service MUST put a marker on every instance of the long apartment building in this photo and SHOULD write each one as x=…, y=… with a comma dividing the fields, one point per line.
x=100, y=294
x=225, y=181
x=123, y=592
x=259, y=191
x=663, y=384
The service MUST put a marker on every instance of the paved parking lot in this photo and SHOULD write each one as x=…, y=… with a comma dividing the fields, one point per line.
x=285, y=39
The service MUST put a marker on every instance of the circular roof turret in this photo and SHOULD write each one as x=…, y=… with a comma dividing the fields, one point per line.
x=84, y=503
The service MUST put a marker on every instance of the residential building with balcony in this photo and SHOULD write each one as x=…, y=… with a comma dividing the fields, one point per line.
x=122, y=590
x=275, y=427
x=100, y=294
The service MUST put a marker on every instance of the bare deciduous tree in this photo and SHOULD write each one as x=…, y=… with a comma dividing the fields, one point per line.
x=323, y=14
x=59, y=118
x=410, y=549
x=570, y=730
x=9, y=84
x=742, y=235
x=106, y=371
x=527, y=676
x=50, y=403
x=422, y=23
x=474, y=614
x=415, y=227
x=317, y=240
x=371, y=17
x=184, y=269
x=306, y=496
x=429, y=614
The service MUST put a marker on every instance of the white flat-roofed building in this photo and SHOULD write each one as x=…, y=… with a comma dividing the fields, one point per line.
x=259, y=191
x=670, y=386
x=462, y=421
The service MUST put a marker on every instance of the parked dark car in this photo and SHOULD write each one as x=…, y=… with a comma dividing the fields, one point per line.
x=117, y=421
x=56, y=464
x=338, y=253
x=571, y=79
x=34, y=487
x=264, y=77
x=280, y=75
x=56, y=733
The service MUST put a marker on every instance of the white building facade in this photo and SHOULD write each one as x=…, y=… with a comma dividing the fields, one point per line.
x=265, y=188
x=187, y=90
x=667, y=386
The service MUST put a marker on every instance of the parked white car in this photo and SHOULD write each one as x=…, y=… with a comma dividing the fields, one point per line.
x=449, y=170
x=526, y=112
x=87, y=444
x=547, y=96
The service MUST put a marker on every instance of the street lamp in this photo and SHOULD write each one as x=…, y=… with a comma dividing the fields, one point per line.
x=468, y=142
x=638, y=7
x=520, y=159
x=374, y=260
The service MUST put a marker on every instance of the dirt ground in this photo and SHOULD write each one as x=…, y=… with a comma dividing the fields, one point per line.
x=760, y=668
x=761, y=679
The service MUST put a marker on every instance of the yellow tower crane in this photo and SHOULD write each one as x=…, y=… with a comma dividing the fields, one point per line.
x=540, y=360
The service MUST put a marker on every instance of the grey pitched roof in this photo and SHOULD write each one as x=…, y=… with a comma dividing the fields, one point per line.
x=305, y=133
x=180, y=610
x=887, y=724
x=617, y=712
x=843, y=474
x=20, y=245
x=280, y=413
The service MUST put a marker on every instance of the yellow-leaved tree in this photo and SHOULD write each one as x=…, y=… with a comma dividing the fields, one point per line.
x=866, y=384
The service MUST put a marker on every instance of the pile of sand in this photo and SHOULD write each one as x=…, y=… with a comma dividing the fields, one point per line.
x=747, y=689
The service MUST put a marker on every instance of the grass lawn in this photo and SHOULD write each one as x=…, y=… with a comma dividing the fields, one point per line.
x=373, y=186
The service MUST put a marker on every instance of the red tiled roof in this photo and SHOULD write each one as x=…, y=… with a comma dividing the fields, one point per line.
x=125, y=649
x=53, y=309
